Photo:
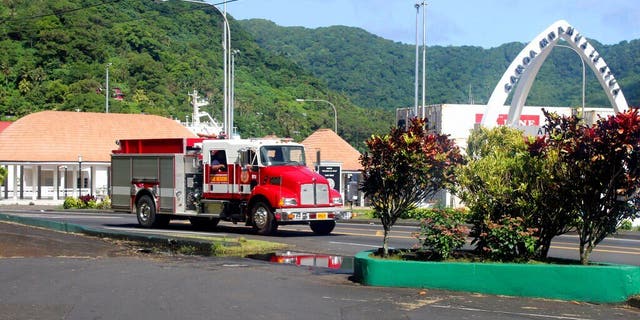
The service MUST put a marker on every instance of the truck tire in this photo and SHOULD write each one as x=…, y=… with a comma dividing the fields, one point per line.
x=263, y=220
x=204, y=222
x=147, y=216
x=322, y=227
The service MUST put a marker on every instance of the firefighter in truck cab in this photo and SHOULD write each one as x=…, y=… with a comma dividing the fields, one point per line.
x=262, y=183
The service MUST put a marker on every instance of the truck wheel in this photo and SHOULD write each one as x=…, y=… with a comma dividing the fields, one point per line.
x=203, y=222
x=146, y=213
x=263, y=219
x=322, y=227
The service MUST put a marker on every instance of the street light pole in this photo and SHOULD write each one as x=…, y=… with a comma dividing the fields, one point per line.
x=424, y=55
x=584, y=74
x=106, y=94
x=335, y=113
x=415, y=110
x=232, y=90
x=226, y=48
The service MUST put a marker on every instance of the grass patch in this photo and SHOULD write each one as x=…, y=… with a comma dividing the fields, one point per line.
x=226, y=246
x=361, y=213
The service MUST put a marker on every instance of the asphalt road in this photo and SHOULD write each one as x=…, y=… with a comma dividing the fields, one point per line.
x=68, y=276
x=346, y=240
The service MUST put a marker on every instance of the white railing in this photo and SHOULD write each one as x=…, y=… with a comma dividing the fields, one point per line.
x=48, y=192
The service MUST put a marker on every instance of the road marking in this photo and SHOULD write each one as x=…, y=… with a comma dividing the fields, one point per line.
x=344, y=299
x=369, y=235
x=597, y=249
x=535, y=315
x=611, y=238
x=354, y=244
x=410, y=306
x=600, y=246
x=166, y=232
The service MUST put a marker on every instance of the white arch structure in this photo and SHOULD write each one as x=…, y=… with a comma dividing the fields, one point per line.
x=525, y=67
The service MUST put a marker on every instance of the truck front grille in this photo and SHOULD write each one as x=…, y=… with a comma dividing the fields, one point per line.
x=311, y=194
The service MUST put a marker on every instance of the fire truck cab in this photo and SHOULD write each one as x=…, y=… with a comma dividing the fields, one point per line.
x=263, y=183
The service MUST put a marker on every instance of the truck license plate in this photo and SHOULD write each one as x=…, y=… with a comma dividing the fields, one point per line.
x=321, y=216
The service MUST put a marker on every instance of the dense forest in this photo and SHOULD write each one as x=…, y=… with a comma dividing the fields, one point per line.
x=376, y=72
x=55, y=54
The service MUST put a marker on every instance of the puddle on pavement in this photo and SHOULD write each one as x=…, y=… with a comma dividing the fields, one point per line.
x=329, y=263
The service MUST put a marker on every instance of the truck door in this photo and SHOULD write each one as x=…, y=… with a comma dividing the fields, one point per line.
x=249, y=170
x=217, y=172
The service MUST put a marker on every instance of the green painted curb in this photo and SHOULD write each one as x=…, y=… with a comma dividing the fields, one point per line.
x=201, y=247
x=602, y=283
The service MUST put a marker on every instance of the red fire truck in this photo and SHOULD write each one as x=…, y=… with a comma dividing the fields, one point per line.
x=263, y=183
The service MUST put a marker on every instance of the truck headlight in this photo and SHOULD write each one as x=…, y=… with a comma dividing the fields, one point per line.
x=337, y=200
x=288, y=202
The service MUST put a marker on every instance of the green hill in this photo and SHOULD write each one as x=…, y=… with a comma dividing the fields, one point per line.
x=54, y=55
x=377, y=72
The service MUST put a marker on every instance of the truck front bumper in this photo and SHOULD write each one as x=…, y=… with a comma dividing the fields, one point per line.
x=311, y=214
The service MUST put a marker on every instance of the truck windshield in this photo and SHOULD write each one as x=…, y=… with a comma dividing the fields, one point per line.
x=282, y=155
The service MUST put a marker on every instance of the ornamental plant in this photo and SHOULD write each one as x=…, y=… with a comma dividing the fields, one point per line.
x=601, y=163
x=508, y=239
x=71, y=203
x=86, y=202
x=502, y=180
x=442, y=232
x=403, y=168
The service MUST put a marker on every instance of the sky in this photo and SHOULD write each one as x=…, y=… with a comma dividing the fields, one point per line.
x=485, y=23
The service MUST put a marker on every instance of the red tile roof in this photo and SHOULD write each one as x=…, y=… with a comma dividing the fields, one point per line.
x=60, y=136
x=332, y=149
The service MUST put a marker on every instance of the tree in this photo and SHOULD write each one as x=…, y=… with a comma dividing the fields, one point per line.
x=602, y=164
x=401, y=169
x=509, y=190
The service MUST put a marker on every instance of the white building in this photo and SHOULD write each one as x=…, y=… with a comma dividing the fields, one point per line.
x=457, y=120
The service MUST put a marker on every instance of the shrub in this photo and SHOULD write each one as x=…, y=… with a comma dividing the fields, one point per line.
x=406, y=167
x=425, y=213
x=71, y=202
x=86, y=202
x=92, y=204
x=442, y=232
x=105, y=203
x=508, y=239
x=418, y=213
x=626, y=225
